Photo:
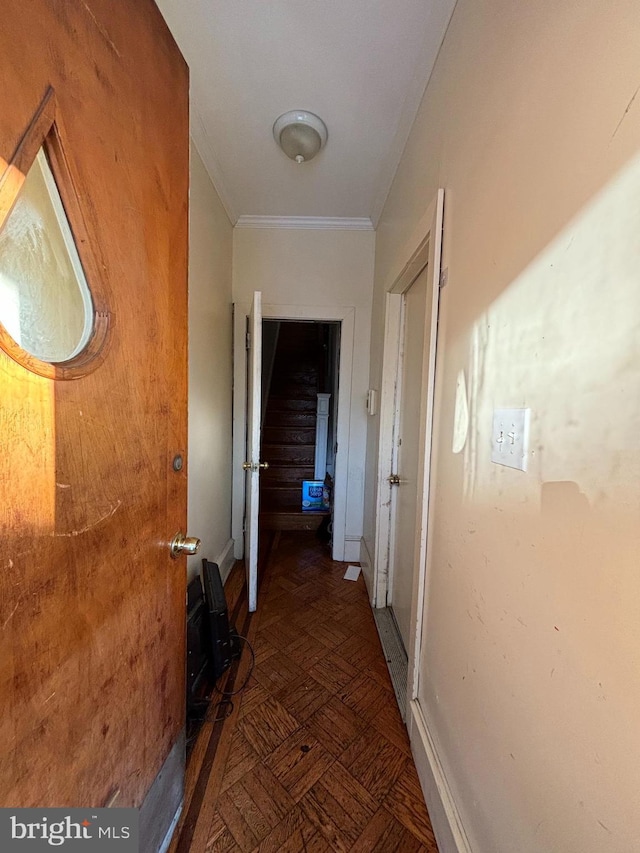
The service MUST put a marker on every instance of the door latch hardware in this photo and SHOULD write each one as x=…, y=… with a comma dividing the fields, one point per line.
x=394, y=480
x=181, y=544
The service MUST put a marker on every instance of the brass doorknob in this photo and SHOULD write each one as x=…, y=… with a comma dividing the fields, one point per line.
x=181, y=544
x=252, y=466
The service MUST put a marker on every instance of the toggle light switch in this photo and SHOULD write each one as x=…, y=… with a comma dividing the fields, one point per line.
x=510, y=438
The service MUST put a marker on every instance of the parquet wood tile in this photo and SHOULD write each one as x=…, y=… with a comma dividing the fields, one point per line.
x=364, y=695
x=333, y=672
x=374, y=762
x=335, y=725
x=406, y=803
x=377, y=670
x=306, y=650
x=339, y=806
x=316, y=758
x=253, y=696
x=387, y=722
x=303, y=697
x=277, y=671
x=293, y=833
x=254, y=806
x=383, y=834
x=263, y=649
x=358, y=652
x=327, y=631
x=299, y=762
x=220, y=838
x=242, y=758
x=281, y=634
x=234, y=820
x=267, y=726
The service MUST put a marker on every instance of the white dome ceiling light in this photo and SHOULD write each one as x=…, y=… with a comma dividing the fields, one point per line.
x=300, y=135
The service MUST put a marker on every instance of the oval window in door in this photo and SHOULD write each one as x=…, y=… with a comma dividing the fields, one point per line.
x=45, y=302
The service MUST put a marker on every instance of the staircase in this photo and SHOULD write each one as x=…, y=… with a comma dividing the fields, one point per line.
x=289, y=430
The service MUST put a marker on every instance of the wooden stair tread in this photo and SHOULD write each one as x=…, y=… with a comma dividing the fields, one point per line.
x=280, y=446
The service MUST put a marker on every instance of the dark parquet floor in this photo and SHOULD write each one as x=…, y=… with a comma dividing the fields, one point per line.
x=314, y=755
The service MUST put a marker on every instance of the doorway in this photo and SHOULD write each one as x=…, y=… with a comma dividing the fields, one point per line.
x=406, y=422
x=342, y=319
x=300, y=382
x=406, y=451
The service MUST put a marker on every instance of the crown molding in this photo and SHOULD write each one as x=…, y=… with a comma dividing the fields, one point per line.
x=203, y=145
x=322, y=223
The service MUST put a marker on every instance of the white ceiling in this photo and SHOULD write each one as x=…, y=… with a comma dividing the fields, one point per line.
x=361, y=65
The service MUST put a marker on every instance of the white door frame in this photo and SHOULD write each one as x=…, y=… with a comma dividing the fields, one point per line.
x=252, y=474
x=346, y=316
x=425, y=249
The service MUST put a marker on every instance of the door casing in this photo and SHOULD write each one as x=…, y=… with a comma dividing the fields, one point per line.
x=346, y=317
x=427, y=247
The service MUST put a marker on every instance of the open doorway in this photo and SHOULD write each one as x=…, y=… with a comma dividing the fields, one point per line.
x=300, y=382
x=341, y=321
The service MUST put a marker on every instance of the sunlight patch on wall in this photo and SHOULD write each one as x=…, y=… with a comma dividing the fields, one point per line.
x=563, y=340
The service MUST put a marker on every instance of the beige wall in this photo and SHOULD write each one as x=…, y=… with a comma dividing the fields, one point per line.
x=531, y=676
x=308, y=267
x=210, y=369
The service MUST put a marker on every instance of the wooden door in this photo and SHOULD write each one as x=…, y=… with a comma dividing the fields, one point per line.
x=410, y=386
x=252, y=463
x=91, y=604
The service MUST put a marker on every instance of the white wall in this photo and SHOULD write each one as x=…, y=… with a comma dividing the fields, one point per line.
x=210, y=371
x=531, y=675
x=307, y=267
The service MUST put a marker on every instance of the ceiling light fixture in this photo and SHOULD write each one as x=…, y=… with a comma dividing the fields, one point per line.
x=300, y=135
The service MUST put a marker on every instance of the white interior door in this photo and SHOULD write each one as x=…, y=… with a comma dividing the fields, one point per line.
x=416, y=320
x=252, y=457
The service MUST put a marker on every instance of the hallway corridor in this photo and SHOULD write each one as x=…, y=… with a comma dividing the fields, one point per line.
x=313, y=755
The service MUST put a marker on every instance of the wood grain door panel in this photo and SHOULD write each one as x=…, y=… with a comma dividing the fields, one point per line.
x=91, y=605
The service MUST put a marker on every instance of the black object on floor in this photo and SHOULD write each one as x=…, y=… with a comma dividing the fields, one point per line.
x=219, y=633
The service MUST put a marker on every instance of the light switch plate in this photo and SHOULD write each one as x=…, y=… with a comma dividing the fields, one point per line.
x=510, y=438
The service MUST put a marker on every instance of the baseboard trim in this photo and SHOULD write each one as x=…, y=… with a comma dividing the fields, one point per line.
x=172, y=828
x=352, y=549
x=367, y=570
x=164, y=799
x=226, y=560
x=443, y=811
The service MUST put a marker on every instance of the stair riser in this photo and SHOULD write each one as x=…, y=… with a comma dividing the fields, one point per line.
x=289, y=404
x=290, y=419
x=298, y=454
x=288, y=435
x=287, y=474
x=274, y=498
x=295, y=391
x=289, y=521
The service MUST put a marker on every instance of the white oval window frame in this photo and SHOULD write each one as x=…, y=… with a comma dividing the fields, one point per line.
x=43, y=138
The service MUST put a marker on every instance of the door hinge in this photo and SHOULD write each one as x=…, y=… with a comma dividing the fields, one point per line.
x=248, y=340
x=444, y=277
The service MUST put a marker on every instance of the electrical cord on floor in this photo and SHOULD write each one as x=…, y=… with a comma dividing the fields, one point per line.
x=249, y=674
x=218, y=707
x=225, y=702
